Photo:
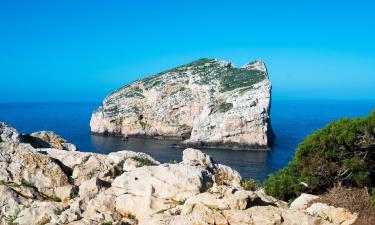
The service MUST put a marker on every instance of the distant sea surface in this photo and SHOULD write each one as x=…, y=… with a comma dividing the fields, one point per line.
x=292, y=121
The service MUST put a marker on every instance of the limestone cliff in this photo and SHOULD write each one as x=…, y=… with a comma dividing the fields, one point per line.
x=207, y=103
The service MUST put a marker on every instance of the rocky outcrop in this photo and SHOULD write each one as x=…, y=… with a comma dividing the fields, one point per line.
x=54, y=186
x=8, y=133
x=207, y=103
x=40, y=139
x=48, y=139
x=22, y=164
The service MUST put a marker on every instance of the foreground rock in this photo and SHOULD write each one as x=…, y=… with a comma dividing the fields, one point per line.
x=53, y=186
x=48, y=139
x=40, y=139
x=210, y=103
x=8, y=133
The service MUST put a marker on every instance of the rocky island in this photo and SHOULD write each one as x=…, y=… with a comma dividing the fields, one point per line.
x=206, y=103
x=44, y=180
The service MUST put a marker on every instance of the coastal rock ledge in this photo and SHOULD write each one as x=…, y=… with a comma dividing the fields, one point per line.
x=206, y=103
x=54, y=186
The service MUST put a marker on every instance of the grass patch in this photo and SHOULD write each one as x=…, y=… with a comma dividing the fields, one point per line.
x=354, y=199
x=215, y=208
x=71, y=180
x=135, y=109
x=250, y=184
x=162, y=211
x=143, y=161
x=184, y=126
x=240, y=78
x=74, y=194
x=290, y=201
x=26, y=183
x=135, y=92
x=209, y=185
x=181, y=202
x=133, y=217
x=121, y=163
x=55, y=199
x=225, y=107
x=143, y=124
x=12, y=218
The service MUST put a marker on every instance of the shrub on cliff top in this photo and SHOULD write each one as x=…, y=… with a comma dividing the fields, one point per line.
x=342, y=152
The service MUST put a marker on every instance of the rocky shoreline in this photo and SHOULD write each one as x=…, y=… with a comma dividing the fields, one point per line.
x=54, y=186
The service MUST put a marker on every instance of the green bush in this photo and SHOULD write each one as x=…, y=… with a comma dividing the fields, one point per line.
x=342, y=152
x=143, y=161
x=373, y=198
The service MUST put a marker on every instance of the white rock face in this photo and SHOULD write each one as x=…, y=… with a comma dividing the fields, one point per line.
x=303, y=201
x=49, y=139
x=22, y=164
x=336, y=215
x=207, y=103
x=8, y=133
x=146, y=190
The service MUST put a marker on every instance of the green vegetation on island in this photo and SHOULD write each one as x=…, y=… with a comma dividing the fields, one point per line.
x=210, y=70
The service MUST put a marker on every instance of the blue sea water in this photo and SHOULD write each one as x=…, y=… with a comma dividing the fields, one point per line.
x=292, y=121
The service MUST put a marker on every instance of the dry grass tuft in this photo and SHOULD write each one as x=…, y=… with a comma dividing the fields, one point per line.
x=354, y=199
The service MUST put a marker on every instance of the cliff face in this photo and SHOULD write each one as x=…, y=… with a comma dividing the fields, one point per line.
x=207, y=103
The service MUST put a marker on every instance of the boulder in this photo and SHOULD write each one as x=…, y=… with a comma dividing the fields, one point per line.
x=90, y=188
x=39, y=213
x=224, y=198
x=225, y=175
x=332, y=214
x=48, y=139
x=130, y=164
x=22, y=164
x=69, y=159
x=194, y=157
x=96, y=166
x=102, y=206
x=119, y=156
x=302, y=202
x=67, y=192
x=8, y=134
x=148, y=189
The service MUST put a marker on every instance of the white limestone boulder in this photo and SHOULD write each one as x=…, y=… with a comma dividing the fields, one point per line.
x=8, y=134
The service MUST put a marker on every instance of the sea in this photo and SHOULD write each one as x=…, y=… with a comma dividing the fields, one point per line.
x=291, y=120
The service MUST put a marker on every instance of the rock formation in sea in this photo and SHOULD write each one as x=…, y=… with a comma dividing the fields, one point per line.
x=207, y=103
x=54, y=186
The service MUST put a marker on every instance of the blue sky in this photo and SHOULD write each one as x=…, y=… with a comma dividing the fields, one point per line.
x=82, y=50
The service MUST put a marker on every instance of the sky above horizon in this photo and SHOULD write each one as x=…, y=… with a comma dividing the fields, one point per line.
x=83, y=50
